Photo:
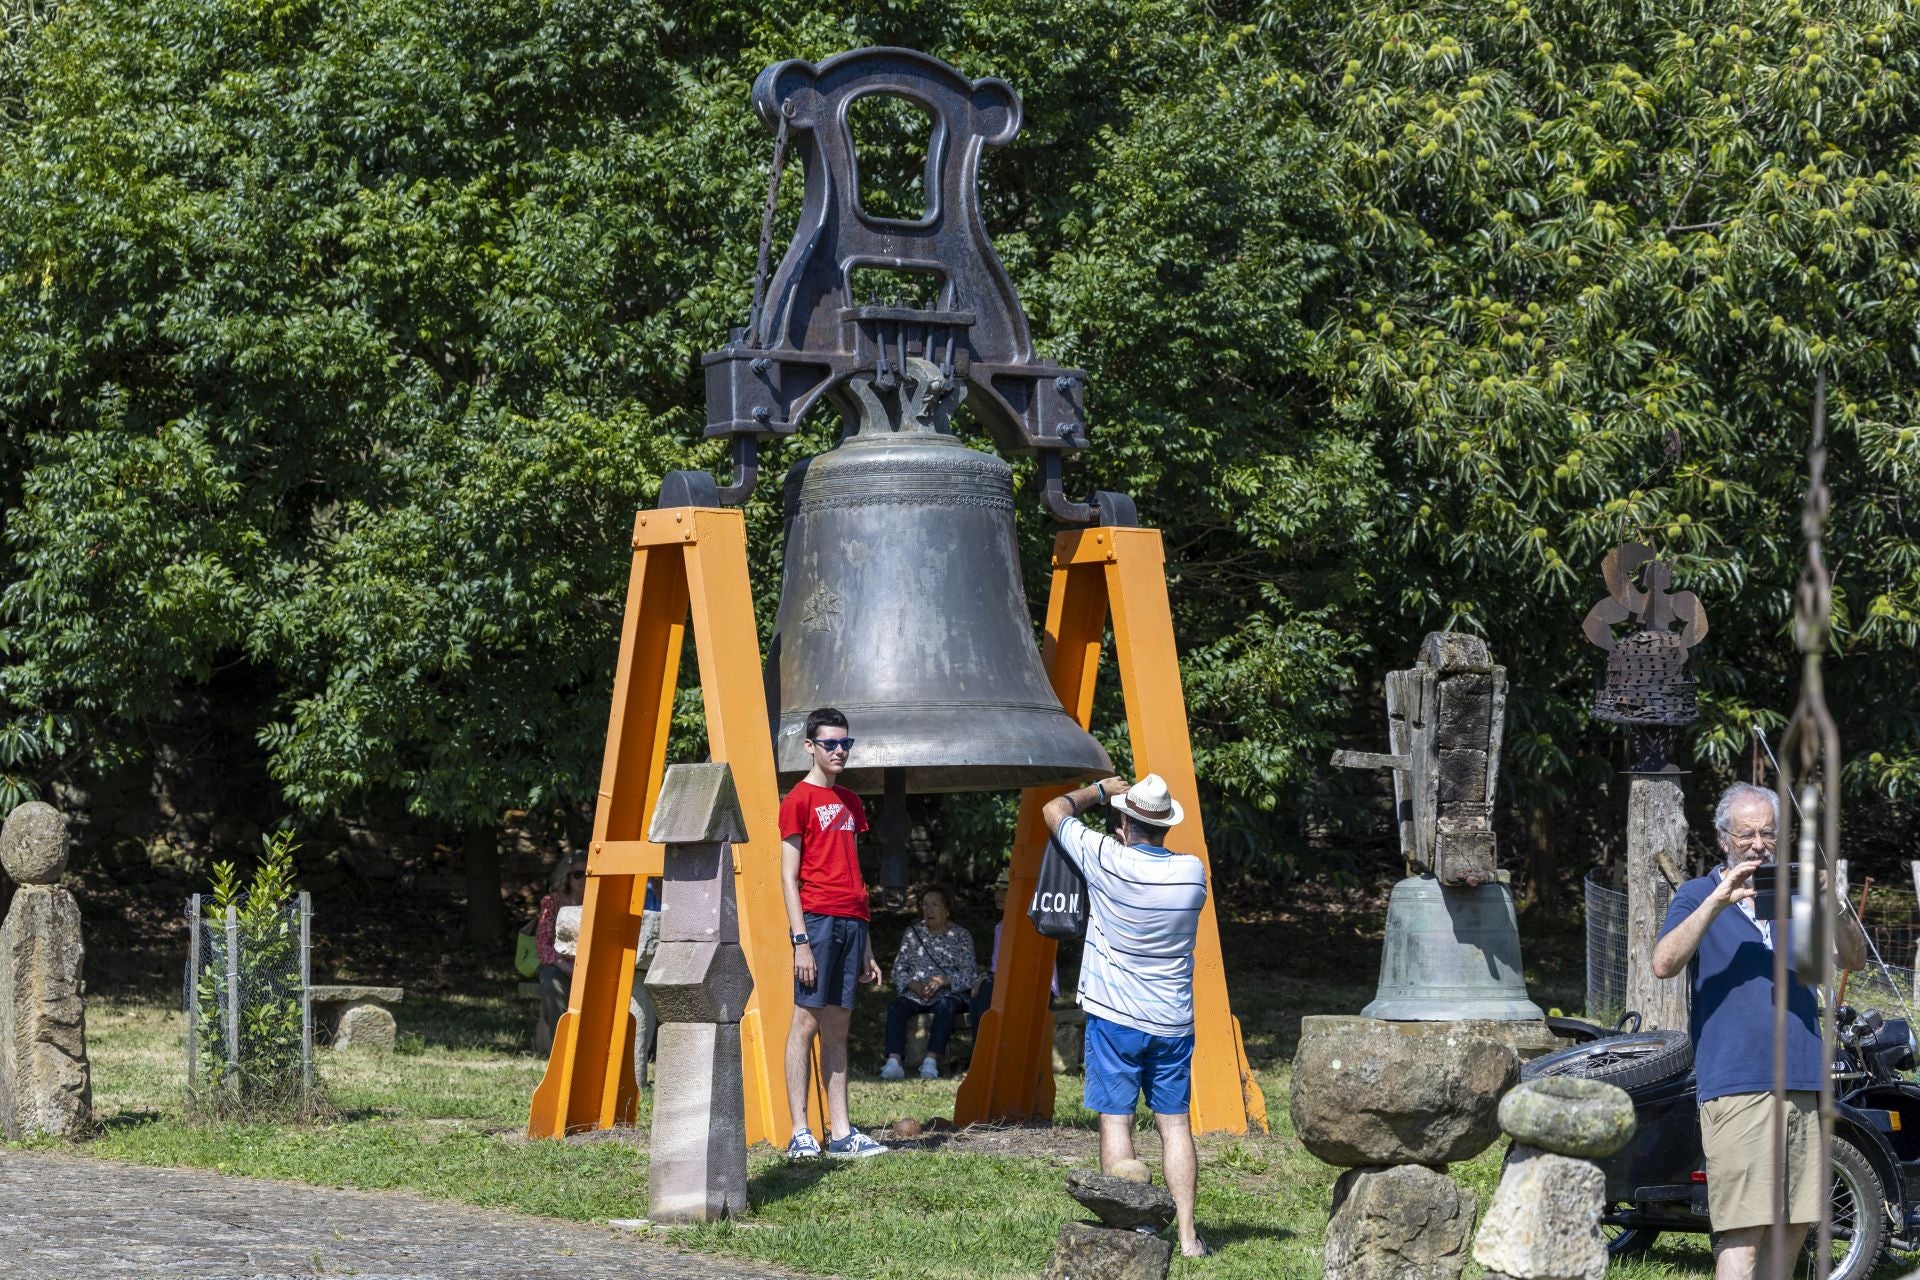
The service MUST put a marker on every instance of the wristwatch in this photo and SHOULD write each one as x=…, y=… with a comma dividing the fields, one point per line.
x=799, y=939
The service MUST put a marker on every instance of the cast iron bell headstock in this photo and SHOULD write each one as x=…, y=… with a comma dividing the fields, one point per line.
x=810, y=336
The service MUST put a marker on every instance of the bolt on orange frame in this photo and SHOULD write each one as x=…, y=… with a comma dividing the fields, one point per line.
x=1097, y=571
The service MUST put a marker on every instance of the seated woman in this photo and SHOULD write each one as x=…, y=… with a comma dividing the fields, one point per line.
x=555, y=977
x=934, y=971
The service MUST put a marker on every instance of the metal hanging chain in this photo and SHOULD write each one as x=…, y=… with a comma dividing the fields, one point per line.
x=756, y=319
x=1810, y=746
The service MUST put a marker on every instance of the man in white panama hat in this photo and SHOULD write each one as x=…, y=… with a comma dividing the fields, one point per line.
x=1136, y=976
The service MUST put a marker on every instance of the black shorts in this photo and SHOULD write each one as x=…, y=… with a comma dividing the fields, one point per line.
x=839, y=945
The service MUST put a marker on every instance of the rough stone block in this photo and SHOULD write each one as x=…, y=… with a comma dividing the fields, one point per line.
x=1466, y=710
x=1528, y=1037
x=45, y=1084
x=34, y=843
x=1403, y=1223
x=1365, y=1093
x=1086, y=1252
x=365, y=1024
x=699, y=982
x=697, y=805
x=697, y=1152
x=1568, y=1116
x=697, y=900
x=1121, y=1203
x=1464, y=858
x=352, y=993
x=1544, y=1222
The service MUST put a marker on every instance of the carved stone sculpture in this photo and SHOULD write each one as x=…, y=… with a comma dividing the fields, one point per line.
x=699, y=984
x=45, y=1085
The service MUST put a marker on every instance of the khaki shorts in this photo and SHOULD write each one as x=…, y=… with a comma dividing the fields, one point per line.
x=1737, y=1133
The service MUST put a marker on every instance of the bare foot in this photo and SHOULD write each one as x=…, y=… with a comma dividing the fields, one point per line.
x=1194, y=1248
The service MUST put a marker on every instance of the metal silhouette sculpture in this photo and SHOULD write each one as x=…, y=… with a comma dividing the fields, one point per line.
x=1648, y=685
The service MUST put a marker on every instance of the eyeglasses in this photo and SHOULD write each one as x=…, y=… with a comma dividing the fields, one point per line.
x=576, y=875
x=831, y=745
x=1763, y=836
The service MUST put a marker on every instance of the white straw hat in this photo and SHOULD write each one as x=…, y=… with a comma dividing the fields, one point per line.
x=1149, y=801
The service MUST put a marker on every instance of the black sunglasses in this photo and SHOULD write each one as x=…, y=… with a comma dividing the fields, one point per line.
x=832, y=744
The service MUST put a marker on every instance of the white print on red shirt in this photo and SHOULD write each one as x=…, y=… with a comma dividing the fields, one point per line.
x=826, y=813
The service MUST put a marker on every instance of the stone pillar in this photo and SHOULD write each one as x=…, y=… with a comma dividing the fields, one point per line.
x=45, y=1086
x=1394, y=1103
x=1544, y=1222
x=699, y=983
x=1656, y=830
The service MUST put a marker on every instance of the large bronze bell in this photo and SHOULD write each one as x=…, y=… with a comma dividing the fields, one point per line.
x=902, y=605
x=1452, y=954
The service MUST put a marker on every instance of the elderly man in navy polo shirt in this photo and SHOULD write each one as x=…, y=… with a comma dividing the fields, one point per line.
x=1728, y=958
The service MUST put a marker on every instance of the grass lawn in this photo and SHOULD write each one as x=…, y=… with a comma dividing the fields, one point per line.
x=443, y=1117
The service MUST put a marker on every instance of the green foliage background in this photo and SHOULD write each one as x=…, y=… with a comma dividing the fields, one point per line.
x=339, y=343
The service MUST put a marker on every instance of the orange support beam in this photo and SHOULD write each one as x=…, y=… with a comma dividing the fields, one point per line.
x=687, y=562
x=1097, y=571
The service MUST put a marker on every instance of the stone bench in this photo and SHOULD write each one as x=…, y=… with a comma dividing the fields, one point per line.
x=357, y=1017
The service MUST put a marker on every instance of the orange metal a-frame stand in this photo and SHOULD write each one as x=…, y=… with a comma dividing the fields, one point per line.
x=1096, y=571
x=693, y=559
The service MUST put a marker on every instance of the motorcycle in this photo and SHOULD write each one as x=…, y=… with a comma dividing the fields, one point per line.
x=1658, y=1182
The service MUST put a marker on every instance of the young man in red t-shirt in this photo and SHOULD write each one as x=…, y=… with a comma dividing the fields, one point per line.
x=827, y=920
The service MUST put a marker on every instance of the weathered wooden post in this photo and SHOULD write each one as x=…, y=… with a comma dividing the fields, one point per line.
x=1656, y=855
x=699, y=982
x=1649, y=687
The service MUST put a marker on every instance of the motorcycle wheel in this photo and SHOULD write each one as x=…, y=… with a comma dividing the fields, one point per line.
x=1859, y=1215
x=1625, y=1060
x=1628, y=1242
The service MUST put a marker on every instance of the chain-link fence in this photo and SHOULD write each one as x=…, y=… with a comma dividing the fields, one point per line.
x=1887, y=983
x=1606, y=949
x=249, y=1006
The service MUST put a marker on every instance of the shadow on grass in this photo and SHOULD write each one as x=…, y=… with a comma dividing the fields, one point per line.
x=1219, y=1237
x=792, y=1178
x=127, y=1121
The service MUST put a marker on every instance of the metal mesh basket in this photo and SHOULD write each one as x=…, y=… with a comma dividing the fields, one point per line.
x=1887, y=983
x=249, y=1007
x=1606, y=949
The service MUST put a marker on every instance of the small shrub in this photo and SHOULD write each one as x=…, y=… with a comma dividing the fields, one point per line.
x=266, y=1069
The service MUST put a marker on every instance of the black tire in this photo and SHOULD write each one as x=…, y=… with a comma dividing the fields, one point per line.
x=1630, y=1060
x=1628, y=1242
x=1578, y=1030
x=1859, y=1215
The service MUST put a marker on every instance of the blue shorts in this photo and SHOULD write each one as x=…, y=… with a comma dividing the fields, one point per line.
x=1123, y=1063
x=839, y=945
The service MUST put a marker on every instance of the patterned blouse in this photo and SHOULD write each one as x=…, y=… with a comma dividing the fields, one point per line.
x=924, y=953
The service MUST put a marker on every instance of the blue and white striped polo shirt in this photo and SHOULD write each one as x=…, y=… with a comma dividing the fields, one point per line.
x=1142, y=919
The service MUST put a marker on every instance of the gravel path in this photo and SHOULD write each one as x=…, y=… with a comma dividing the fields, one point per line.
x=67, y=1218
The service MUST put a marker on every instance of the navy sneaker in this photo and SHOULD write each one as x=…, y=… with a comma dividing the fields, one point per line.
x=804, y=1146
x=854, y=1146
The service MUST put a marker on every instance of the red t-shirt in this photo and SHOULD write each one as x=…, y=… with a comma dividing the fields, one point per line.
x=825, y=820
